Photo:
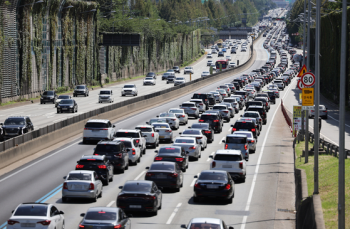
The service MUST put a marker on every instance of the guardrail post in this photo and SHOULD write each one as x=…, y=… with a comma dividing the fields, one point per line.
x=327, y=148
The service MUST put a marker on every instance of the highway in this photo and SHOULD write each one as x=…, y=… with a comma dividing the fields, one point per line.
x=255, y=203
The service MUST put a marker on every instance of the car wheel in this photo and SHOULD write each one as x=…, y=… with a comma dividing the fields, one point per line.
x=85, y=95
x=243, y=179
x=160, y=206
x=144, y=151
x=53, y=102
x=64, y=199
x=195, y=199
x=58, y=111
x=230, y=200
x=127, y=166
x=177, y=189
x=139, y=159
x=111, y=179
x=106, y=182
x=63, y=225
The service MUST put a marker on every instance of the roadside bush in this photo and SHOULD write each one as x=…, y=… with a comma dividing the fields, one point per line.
x=62, y=89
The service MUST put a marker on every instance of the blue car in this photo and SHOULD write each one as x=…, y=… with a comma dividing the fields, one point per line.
x=224, y=50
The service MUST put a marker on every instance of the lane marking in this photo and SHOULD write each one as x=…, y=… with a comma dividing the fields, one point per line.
x=174, y=213
x=337, y=120
x=210, y=155
x=48, y=194
x=194, y=181
x=110, y=204
x=143, y=172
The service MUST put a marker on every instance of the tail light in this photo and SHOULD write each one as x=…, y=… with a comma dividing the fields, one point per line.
x=227, y=187
x=168, y=131
x=133, y=151
x=180, y=159
x=216, y=120
x=226, y=146
x=118, y=226
x=11, y=222
x=86, y=128
x=267, y=104
x=119, y=155
x=312, y=110
x=213, y=164
x=253, y=130
x=45, y=222
x=79, y=166
x=201, y=120
x=201, y=104
x=245, y=147
x=65, y=185
x=207, y=132
x=173, y=119
x=102, y=167
x=193, y=147
x=137, y=140
x=149, y=197
x=234, y=129
x=199, y=137
x=173, y=175
x=226, y=112
x=149, y=174
x=194, y=109
x=152, y=135
x=264, y=113
x=91, y=186
x=182, y=116
x=104, y=129
x=96, y=154
x=197, y=186
x=252, y=141
x=224, y=94
x=158, y=158
x=241, y=165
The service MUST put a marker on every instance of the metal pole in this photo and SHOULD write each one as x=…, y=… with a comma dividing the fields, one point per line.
x=342, y=153
x=317, y=91
x=308, y=69
x=304, y=33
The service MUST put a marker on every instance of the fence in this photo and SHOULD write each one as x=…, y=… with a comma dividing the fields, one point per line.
x=287, y=116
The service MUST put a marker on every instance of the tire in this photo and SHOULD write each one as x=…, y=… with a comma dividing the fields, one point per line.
x=195, y=199
x=243, y=179
x=85, y=95
x=229, y=201
x=63, y=225
x=53, y=102
x=139, y=160
x=84, y=141
x=123, y=95
x=144, y=151
x=127, y=166
x=111, y=179
x=160, y=206
x=177, y=189
x=94, y=199
x=106, y=182
x=64, y=199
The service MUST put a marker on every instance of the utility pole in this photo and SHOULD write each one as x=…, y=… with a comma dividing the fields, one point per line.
x=308, y=69
x=303, y=116
x=342, y=153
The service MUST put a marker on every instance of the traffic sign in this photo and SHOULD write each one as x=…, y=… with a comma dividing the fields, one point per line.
x=301, y=85
x=308, y=97
x=308, y=79
x=308, y=108
x=302, y=71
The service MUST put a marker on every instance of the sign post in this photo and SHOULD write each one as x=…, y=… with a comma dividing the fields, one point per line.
x=296, y=119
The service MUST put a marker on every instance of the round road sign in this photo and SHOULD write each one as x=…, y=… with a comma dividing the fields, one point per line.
x=300, y=85
x=308, y=79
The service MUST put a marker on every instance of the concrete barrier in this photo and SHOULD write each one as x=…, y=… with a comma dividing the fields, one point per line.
x=33, y=146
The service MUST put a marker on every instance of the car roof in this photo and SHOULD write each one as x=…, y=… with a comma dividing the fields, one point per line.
x=214, y=171
x=96, y=157
x=138, y=182
x=107, y=142
x=236, y=135
x=146, y=126
x=18, y=117
x=103, y=209
x=207, y=220
x=122, y=139
x=185, y=137
x=129, y=84
x=230, y=151
x=128, y=130
x=179, y=147
x=256, y=106
x=81, y=171
x=163, y=163
x=98, y=120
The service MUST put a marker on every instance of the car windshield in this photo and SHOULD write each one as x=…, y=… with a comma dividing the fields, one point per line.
x=144, y=129
x=48, y=93
x=14, y=121
x=180, y=78
x=31, y=210
x=219, y=108
x=90, y=162
x=63, y=97
x=161, y=126
x=105, y=92
x=167, y=115
x=205, y=73
x=195, y=132
x=150, y=74
x=79, y=176
x=169, y=150
x=166, y=167
x=127, y=134
x=100, y=215
x=157, y=120
x=188, y=68
x=184, y=140
x=137, y=187
x=129, y=86
x=227, y=157
x=96, y=125
x=66, y=101
x=213, y=176
x=107, y=148
x=80, y=87
x=176, y=111
x=204, y=226
x=236, y=140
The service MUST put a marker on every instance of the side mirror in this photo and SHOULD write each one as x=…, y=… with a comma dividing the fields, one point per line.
x=147, y=123
x=61, y=213
x=120, y=187
x=210, y=156
x=157, y=116
x=232, y=125
x=223, y=141
x=247, y=159
x=65, y=177
x=113, y=125
x=183, y=226
x=82, y=214
x=189, y=127
x=78, y=161
x=156, y=151
x=187, y=152
x=13, y=211
x=195, y=176
x=145, y=136
x=147, y=167
x=1, y=124
x=180, y=132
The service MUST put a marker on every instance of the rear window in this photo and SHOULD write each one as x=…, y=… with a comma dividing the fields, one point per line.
x=191, y=132
x=230, y=100
x=136, y=187
x=101, y=215
x=102, y=148
x=91, y=162
x=126, y=143
x=227, y=157
x=241, y=93
x=188, y=105
x=169, y=150
x=127, y=135
x=79, y=176
x=181, y=140
x=179, y=111
x=260, y=110
x=144, y=129
x=96, y=125
x=253, y=115
x=213, y=176
x=160, y=126
x=31, y=210
x=199, y=96
x=162, y=167
x=236, y=140
x=200, y=126
x=219, y=108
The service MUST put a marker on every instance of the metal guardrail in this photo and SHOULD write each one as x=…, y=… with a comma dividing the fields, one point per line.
x=69, y=121
x=287, y=117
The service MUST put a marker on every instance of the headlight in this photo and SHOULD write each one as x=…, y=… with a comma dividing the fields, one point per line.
x=70, y=106
x=58, y=107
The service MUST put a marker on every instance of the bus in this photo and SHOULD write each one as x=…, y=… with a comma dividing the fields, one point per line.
x=224, y=64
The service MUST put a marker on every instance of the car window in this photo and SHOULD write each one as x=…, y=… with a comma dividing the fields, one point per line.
x=14, y=121
x=107, y=149
x=31, y=210
x=178, y=111
x=80, y=87
x=100, y=215
x=126, y=143
x=212, y=176
x=236, y=140
x=169, y=150
x=166, y=167
x=144, y=129
x=53, y=211
x=79, y=176
x=188, y=105
x=96, y=125
x=126, y=134
x=196, y=132
x=161, y=126
x=181, y=140
x=227, y=157
x=135, y=187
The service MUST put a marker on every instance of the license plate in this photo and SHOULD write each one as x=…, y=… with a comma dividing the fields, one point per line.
x=227, y=166
x=77, y=186
x=27, y=224
x=135, y=206
x=64, y=108
x=244, y=130
x=161, y=136
x=209, y=186
x=95, y=130
x=161, y=176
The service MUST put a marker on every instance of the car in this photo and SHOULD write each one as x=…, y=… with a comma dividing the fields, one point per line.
x=140, y=140
x=272, y=95
x=222, y=92
x=81, y=90
x=323, y=112
x=172, y=120
x=232, y=65
x=58, y=100
x=150, y=134
x=179, y=80
x=196, y=133
x=228, y=58
x=217, y=96
x=253, y=114
x=171, y=71
x=204, y=97
x=246, y=124
x=211, y=99
x=67, y=105
x=166, y=75
x=154, y=120
x=191, y=145
x=98, y=163
x=129, y=89
x=152, y=74
x=213, y=66
x=213, y=119
x=81, y=184
x=164, y=130
x=190, y=109
x=15, y=126
x=231, y=86
x=48, y=97
x=180, y=114
x=265, y=101
x=233, y=51
x=176, y=69
x=223, y=50
x=224, y=111
x=251, y=140
x=98, y=129
x=188, y=70
x=209, y=62
x=149, y=81
x=209, y=56
x=226, y=88
x=200, y=104
x=106, y=95
x=139, y=196
x=165, y=174
x=216, y=184
x=213, y=51
x=132, y=148
x=207, y=130
x=36, y=215
x=230, y=161
x=207, y=223
x=170, y=79
x=230, y=108
x=238, y=142
x=233, y=102
x=175, y=154
x=243, y=49
x=205, y=74
x=221, y=54
x=111, y=216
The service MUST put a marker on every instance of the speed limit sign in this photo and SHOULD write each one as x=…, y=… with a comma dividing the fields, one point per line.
x=308, y=79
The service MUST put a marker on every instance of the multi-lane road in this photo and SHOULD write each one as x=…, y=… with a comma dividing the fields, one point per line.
x=255, y=203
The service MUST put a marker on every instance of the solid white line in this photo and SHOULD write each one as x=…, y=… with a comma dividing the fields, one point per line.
x=5, y=178
x=174, y=213
x=143, y=172
x=337, y=120
x=223, y=138
x=210, y=155
x=111, y=203
x=229, y=129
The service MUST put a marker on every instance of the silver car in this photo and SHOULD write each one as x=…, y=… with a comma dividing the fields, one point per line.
x=251, y=93
x=323, y=112
x=105, y=95
x=188, y=70
x=205, y=74
x=152, y=136
x=164, y=130
x=230, y=108
x=223, y=93
x=251, y=140
x=149, y=81
x=171, y=119
x=179, y=81
x=222, y=108
x=199, y=103
x=196, y=133
x=190, y=109
x=217, y=96
x=180, y=114
x=191, y=146
x=81, y=184
x=129, y=89
x=210, y=223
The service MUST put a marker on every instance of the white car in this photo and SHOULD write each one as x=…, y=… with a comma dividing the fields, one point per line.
x=230, y=161
x=129, y=89
x=179, y=80
x=188, y=70
x=206, y=223
x=133, y=151
x=105, y=95
x=164, y=130
x=196, y=133
x=209, y=62
x=149, y=81
x=58, y=100
x=199, y=103
x=149, y=133
x=232, y=65
x=180, y=114
x=209, y=55
x=98, y=129
x=204, y=74
x=36, y=215
x=228, y=58
x=213, y=65
x=171, y=119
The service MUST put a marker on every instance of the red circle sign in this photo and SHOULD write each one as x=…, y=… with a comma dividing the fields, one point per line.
x=308, y=79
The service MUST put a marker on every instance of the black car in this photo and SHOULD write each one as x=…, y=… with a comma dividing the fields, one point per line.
x=67, y=105
x=240, y=82
x=203, y=96
x=207, y=130
x=15, y=126
x=140, y=196
x=173, y=154
x=176, y=69
x=261, y=111
x=265, y=102
x=211, y=99
x=99, y=164
x=272, y=96
x=214, y=184
x=220, y=53
x=81, y=90
x=48, y=97
x=237, y=86
x=152, y=74
x=214, y=119
x=170, y=79
x=165, y=175
x=244, y=94
x=253, y=103
x=115, y=152
x=245, y=125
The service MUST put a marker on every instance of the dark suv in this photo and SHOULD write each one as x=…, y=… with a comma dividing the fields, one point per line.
x=214, y=119
x=207, y=130
x=99, y=164
x=81, y=90
x=211, y=99
x=203, y=96
x=48, y=97
x=15, y=126
x=253, y=103
x=115, y=152
x=261, y=111
x=245, y=125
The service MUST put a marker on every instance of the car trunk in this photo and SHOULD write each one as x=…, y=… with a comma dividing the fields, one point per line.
x=78, y=185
